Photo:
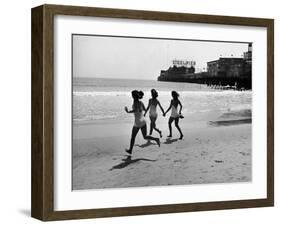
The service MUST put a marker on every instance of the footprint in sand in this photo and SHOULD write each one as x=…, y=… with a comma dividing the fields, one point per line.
x=218, y=161
x=204, y=153
x=243, y=153
x=243, y=178
x=170, y=141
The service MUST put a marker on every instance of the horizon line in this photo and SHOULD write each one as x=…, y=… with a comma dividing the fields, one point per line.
x=115, y=78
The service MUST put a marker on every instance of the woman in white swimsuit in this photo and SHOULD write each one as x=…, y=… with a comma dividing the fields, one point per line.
x=175, y=115
x=140, y=123
x=152, y=107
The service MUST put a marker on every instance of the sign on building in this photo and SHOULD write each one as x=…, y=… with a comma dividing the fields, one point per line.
x=186, y=63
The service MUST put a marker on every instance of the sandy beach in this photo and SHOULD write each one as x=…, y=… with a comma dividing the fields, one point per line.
x=217, y=151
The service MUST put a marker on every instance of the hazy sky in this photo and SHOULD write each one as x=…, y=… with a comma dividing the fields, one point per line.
x=138, y=58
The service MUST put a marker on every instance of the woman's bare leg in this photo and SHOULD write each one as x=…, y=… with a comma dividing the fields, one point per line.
x=153, y=126
x=179, y=129
x=133, y=137
x=170, y=126
x=146, y=137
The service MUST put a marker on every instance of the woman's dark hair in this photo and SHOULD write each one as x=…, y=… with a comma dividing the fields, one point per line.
x=154, y=93
x=137, y=94
x=141, y=94
x=175, y=95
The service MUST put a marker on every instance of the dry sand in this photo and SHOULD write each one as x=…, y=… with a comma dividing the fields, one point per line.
x=211, y=152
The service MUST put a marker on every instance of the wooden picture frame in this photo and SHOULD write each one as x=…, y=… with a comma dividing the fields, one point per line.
x=42, y=203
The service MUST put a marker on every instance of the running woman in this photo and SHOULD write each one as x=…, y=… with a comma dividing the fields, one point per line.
x=152, y=107
x=175, y=114
x=140, y=123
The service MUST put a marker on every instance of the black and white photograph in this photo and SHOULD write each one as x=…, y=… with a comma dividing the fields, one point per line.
x=160, y=112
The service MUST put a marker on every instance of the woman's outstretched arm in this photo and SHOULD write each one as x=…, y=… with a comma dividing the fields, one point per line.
x=131, y=111
x=148, y=106
x=180, y=107
x=168, y=109
x=161, y=108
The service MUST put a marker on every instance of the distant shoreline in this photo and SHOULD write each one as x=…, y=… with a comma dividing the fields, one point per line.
x=103, y=78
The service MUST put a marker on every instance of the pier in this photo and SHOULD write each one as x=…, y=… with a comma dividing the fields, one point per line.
x=223, y=73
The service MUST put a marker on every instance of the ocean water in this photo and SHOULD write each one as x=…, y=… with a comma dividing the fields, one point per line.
x=103, y=100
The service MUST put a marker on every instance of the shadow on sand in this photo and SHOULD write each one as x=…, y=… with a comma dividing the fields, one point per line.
x=170, y=141
x=127, y=161
x=148, y=143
